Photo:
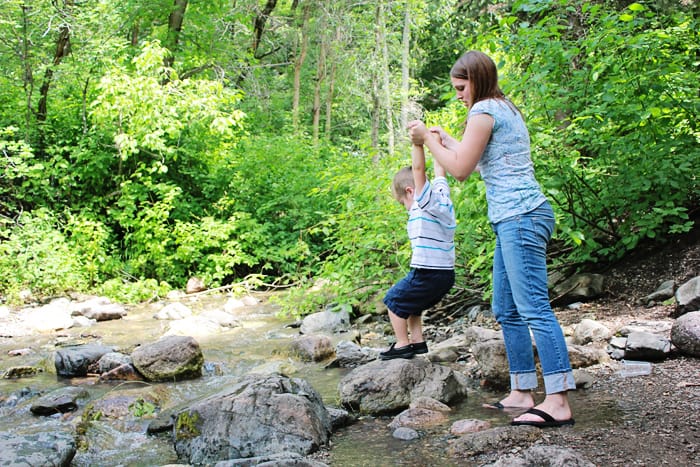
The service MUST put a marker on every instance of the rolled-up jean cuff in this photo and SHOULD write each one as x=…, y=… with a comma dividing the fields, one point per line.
x=559, y=382
x=523, y=381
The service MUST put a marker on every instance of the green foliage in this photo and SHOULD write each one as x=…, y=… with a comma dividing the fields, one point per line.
x=166, y=154
x=124, y=290
x=611, y=104
x=142, y=408
x=37, y=256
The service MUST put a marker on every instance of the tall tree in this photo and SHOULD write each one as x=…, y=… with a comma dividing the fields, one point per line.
x=384, y=74
x=320, y=73
x=299, y=60
x=175, y=20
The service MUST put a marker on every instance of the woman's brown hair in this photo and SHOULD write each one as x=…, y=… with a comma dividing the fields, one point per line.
x=480, y=70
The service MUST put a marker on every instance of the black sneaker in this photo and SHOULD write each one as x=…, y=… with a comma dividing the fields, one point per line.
x=400, y=352
x=420, y=347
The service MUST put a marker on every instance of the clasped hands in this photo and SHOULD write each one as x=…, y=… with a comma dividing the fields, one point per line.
x=419, y=133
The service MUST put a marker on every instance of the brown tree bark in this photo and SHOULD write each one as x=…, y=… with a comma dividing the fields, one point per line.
x=299, y=63
x=175, y=20
x=62, y=50
x=259, y=25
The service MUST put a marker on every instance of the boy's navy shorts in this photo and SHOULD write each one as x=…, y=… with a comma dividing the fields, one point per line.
x=418, y=291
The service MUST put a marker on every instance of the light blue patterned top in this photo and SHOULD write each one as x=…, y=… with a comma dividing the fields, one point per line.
x=505, y=165
x=431, y=227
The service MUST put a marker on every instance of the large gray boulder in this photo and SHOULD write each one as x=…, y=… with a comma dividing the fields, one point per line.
x=685, y=334
x=385, y=387
x=260, y=415
x=172, y=358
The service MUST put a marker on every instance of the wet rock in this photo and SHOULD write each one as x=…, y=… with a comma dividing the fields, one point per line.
x=405, y=433
x=76, y=360
x=59, y=401
x=21, y=372
x=112, y=360
x=172, y=358
x=340, y=418
x=312, y=348
x=98, y=309
x=543, y=455
x=53, y=448
x=126, y=403
x=125, y=372
x=429, y=403
x=173, y=311
x=260, y=415
x=350, y=355
x=685, y=334
x=381, y=387
x=416, y=417
x=461, y=427
x=331, y=320
x=495, y=439
x=288, y=459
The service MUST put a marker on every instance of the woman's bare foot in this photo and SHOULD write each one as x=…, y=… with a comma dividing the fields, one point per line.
x=514, y=400
x=556, y=405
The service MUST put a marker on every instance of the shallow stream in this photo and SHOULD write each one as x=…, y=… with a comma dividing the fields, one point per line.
x=259, y=344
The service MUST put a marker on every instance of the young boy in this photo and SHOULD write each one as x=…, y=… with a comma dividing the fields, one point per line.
x=431, y=227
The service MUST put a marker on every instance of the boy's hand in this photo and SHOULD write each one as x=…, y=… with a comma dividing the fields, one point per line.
x=417, y=131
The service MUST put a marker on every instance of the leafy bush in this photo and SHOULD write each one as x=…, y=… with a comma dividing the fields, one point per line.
x=37, y=256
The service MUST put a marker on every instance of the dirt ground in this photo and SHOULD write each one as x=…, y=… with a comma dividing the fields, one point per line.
x=659, y=425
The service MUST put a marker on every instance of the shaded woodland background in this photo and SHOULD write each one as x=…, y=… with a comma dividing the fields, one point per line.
x=252, y=143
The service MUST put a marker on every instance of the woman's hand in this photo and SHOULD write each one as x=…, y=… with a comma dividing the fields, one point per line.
x=445, y=138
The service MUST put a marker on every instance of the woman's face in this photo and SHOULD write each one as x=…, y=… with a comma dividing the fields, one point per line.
x=463, y=89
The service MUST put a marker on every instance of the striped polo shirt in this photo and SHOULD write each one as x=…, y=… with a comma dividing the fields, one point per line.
x=431, y=227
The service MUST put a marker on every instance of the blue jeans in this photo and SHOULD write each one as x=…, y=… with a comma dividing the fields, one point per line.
x=521, y=302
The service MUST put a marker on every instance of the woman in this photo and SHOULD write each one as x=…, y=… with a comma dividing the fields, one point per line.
x=497, y=144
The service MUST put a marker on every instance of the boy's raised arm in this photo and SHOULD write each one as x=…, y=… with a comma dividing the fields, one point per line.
x=418, y=166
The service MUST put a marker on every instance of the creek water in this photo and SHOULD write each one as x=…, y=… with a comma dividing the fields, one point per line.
x=259, y=344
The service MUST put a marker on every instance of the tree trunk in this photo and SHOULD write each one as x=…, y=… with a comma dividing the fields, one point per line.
x=405, y=66
x=385, y=76
x=320, y=77
x=299, y=63
x=28, y=77
x=259, y=25
x=62, y=50
x=331, y=83
x=175, y=20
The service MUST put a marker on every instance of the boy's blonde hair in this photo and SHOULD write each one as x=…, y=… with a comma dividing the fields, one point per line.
x=402, y=180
